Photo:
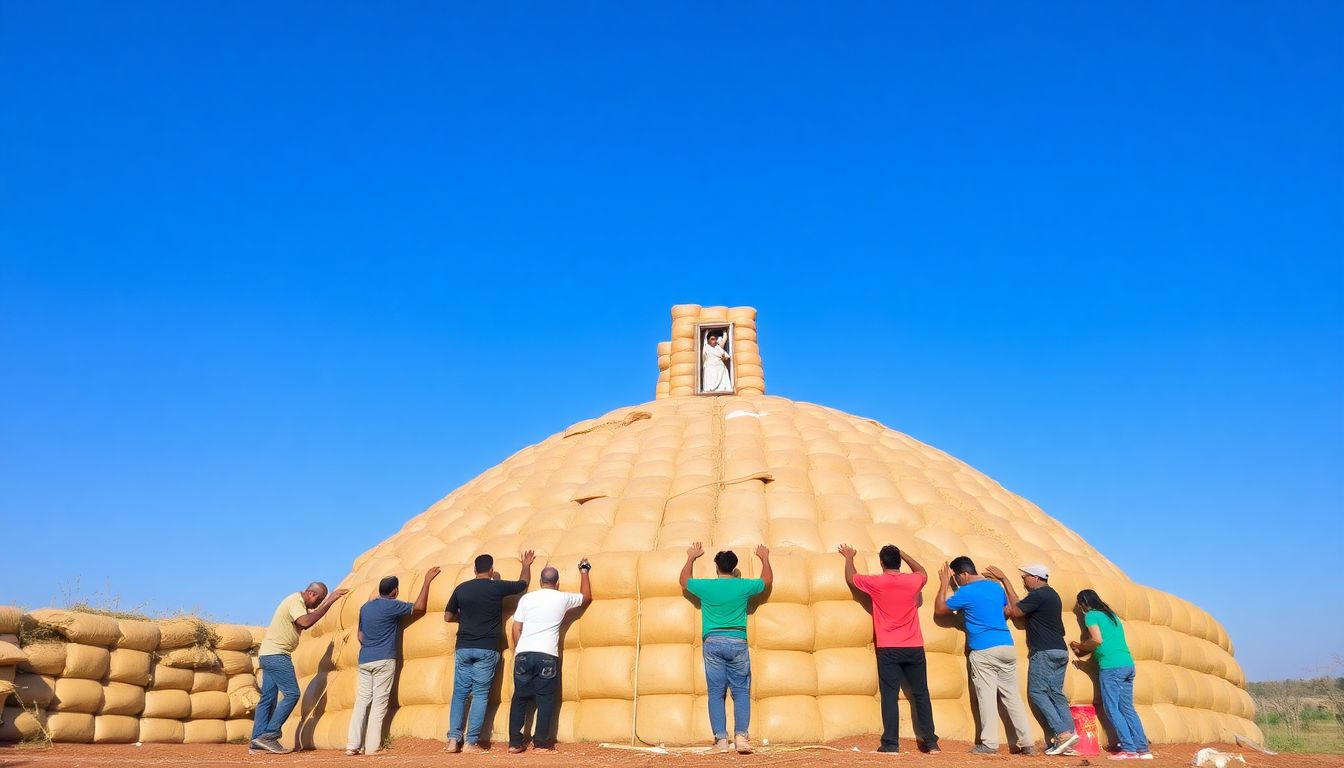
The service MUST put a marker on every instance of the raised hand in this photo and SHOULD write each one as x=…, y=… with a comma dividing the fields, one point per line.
x=994, y=573
x=945, y=573
x=527, y=558
x=695, y=550
x=762, y=551
x=847, y=551
x=337, y=595
x=433, y=572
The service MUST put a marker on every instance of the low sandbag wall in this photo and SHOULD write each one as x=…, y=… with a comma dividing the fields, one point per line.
x=89, y=678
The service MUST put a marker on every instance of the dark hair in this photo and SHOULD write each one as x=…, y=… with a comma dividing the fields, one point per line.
x=388, y=585
x=890, y=555
x=962, y=565
x=713, y=333
x=726, y=561
x=1090, y=600
x=484, y=563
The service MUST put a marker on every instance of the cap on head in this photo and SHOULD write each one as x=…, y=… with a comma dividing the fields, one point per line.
x=388, y=585
x=1037, y=570
x=484, y=563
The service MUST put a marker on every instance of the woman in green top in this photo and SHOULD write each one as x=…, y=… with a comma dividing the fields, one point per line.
x=1106, y=641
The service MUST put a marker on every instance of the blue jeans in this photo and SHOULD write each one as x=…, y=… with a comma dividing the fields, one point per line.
x=277, y=679
x=1117, y=698
x=728, y=665
x=473, y=672
x=1045, y=688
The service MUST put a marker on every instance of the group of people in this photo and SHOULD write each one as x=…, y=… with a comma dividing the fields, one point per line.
x=985, y=603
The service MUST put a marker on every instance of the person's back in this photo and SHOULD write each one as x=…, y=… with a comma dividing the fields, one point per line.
x=379, y=620
x=981, y=605
x=901, y=660
x=478, y=607
x=1113, y=651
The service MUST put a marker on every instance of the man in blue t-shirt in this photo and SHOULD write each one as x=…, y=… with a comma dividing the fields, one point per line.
x=982, y=604
x=378, y=622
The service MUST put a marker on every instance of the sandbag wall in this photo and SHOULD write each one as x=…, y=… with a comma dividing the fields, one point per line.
x=679, y=358
x=89, y=678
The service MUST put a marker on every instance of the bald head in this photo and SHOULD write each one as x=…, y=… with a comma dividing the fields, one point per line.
x=314, y=594
x=550, y=576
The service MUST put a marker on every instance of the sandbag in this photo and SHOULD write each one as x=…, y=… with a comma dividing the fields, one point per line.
x=233, y=637
x=160, y=731
x=138, y=635
x=11, y=654
x=116, y=729
x=209, y=705
x=168, y=704
x=163, y=677
x=238, y=731
x=76, y=695
x=45, y=658
x=179, y=633
x=209, y=680
x=70, y=727
x=21, y=724
x=10, y=619
x=127, y=665
x=86, y=662
x=234, y=662
x=34, y=690
x=244, y=680
x=84, y=628
x=191, y=657
x=243, y=701
x=205, y=732
x=122, y=699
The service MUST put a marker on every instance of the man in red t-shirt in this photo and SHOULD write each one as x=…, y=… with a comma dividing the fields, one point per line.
x=900, y=644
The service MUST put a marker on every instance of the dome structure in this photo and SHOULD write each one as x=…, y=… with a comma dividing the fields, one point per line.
x=633, y=488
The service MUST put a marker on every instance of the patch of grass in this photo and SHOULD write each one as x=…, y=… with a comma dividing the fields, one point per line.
x=36, y=741
x=32, y=633
x=240, y=740
x=1314, y=736
x=82, y=606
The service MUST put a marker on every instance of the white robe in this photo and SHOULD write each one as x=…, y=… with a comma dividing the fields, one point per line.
x=714, y=377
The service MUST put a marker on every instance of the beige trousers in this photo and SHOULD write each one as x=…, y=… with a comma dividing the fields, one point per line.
x=374, y=687
x=994, y=675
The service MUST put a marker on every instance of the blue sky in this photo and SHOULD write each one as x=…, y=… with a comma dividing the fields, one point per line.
x=274, y=279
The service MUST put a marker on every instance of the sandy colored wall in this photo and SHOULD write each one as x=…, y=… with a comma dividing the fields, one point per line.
x=90, y=678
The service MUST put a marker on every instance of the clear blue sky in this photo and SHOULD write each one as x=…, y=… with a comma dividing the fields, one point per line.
x=277, y=278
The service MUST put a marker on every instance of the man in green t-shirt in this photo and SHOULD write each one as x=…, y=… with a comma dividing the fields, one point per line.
x=723, y=625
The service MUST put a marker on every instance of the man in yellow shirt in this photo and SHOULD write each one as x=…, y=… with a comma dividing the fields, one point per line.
x=295, y=613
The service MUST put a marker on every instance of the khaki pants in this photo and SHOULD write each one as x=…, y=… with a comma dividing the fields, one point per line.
x=994, y=675
x=374, y=687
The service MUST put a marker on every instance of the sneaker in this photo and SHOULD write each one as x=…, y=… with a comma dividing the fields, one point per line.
x=1125, y=756
x=272, y=744
x=981, y=749
x=722, y=746
x=351, y=752
x=742, y=744
x=518, y=750
x=1063, y=746
x=453, y=745
x=1145, y=755
x=472, y=747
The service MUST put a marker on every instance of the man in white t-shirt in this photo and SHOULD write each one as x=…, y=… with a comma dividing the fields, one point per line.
x=536, y=654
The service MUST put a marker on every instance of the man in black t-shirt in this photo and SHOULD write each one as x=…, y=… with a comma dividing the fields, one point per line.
x=1047, y=655
x=477, y=606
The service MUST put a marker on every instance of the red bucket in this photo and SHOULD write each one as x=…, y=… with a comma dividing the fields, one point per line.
x=1085, y=725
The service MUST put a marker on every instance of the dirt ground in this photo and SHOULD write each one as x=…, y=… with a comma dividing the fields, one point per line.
x=416, y=753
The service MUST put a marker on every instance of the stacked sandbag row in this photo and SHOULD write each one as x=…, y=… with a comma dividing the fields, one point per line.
x=91, y=678
x=10, y=656
x=679, y=359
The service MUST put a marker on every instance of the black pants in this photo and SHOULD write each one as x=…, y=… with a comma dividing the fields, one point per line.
x=535, y=676
x=895, y=666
